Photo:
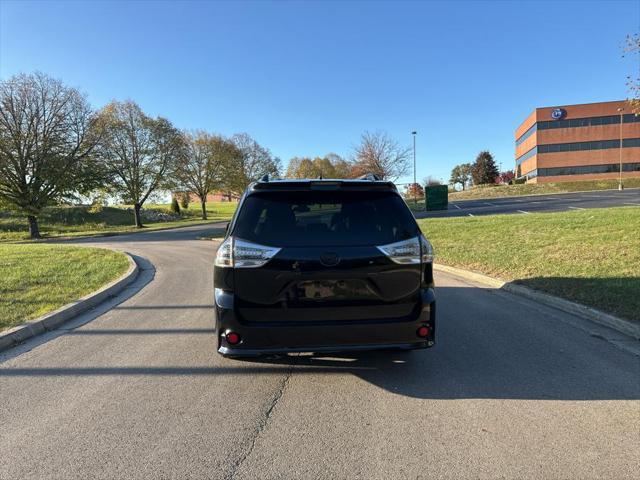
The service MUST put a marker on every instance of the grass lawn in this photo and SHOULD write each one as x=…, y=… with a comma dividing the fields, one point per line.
x=77, y=221
x=588, y=256
x=496, y=191
x=215, y=210
x=36, y=279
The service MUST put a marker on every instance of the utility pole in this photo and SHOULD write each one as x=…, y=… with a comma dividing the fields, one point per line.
x=620, y=186
x=415, y=187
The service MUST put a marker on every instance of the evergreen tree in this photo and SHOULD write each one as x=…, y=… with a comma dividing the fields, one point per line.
x=484, y=169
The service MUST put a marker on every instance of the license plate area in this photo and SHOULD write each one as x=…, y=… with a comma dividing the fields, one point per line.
x=334, y=290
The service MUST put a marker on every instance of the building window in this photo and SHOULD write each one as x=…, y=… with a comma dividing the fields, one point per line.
x=585, y=122
x=527, y=155
x=593, y=145
x=584, y=169
x=578, y=146
x=526, y=134
x=578, y=122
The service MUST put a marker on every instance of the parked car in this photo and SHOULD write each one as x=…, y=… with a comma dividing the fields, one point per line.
x=323, y=266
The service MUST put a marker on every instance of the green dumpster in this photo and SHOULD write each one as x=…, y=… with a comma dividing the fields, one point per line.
x=436, y=197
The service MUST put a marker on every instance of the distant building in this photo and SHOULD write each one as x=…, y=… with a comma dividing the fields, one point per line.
x=212, y=197
x=578, y=142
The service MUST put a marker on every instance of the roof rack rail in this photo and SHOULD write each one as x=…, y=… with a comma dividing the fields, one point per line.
x=372, y=177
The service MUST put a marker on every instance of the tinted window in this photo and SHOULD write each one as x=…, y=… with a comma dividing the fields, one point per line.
x=324, y=218
x=526, y=134
x=572, y=147
x=527, y=155
x=584, y=169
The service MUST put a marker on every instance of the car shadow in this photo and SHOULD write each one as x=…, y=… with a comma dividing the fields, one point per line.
x=428, y=375
x=490, y=345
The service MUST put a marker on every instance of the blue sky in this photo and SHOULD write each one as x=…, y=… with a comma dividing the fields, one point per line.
x=307, y=78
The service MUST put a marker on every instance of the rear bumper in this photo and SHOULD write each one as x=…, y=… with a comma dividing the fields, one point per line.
x=330, y=337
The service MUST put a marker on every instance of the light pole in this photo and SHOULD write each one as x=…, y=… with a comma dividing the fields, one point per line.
x=415, y=187
x=620, y=187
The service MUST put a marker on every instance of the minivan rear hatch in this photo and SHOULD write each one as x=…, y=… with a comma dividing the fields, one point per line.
x=329, y=268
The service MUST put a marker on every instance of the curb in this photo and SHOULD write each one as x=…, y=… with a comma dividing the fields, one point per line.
x=611, y=321
x=53, y=320
x=210, y=239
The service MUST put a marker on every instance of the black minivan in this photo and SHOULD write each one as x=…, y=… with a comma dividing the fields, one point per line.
x=323, y=266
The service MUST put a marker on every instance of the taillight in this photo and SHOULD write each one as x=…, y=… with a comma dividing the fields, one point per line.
x=224, y=258
x=423, y=331
x=242, y=254
x=426, y=250
x=404, y=252
x=412, y=251
x=232, y=338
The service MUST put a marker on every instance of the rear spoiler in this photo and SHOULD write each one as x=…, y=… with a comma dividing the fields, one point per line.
x=333, y=184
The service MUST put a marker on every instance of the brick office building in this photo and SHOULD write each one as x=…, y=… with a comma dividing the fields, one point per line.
x=578, y=142
x=217, y=196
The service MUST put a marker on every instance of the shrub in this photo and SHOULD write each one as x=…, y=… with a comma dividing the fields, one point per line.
x=175, y=206
x=184, y=201
x=96, y=207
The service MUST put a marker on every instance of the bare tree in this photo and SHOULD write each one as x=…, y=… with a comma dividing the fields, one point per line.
x=138, y=151
x=461, y=174
x=342, y=168
x=254, y=162
x=300, y=168
x=47, y=133
x=380, y=154
x=430, y=181
x=632, y=48
x=200, y=169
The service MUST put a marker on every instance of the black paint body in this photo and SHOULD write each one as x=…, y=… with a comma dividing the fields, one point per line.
x=324, y=298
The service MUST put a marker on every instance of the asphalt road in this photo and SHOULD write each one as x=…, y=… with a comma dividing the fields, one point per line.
x=539, y=203
x=512, y=390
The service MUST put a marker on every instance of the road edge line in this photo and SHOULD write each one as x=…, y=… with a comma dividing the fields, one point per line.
x=53, y=320
x=605, y=319
x=540, y=194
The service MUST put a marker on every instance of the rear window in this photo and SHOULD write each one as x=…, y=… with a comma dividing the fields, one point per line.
x=288, y=219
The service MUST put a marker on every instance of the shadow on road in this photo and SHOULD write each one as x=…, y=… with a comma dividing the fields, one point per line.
x=434, y=374
x=493, y=349
x=418, y=374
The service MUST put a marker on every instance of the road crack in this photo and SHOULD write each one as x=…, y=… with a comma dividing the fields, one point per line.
x=263, y=421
